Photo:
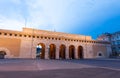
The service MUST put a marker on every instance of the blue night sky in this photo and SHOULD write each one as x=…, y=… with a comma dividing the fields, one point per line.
x=86, y=17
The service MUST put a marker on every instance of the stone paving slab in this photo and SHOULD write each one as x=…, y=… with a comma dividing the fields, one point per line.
x=59, y=69
x=63, y=73
x=40, y=65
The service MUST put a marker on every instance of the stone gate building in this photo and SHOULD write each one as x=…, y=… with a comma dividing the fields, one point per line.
x=55, y=45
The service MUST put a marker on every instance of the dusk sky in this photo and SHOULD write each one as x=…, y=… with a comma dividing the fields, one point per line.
x=85, y=17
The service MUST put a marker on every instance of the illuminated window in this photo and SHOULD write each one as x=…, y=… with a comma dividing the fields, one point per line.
x=20, y=35
x=10, y=34
x=45, y=37
x=41, y=37
x=5, y=33
x=25, y=35
x=15, y=34
x=29, y=36
x=56, y=38
x=68, y=39
x=33, y=36
x=52, y=38
x=37, y=36
x=59, y=39
x=48, y=37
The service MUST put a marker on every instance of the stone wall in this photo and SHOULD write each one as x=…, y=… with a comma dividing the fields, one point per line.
x=11, y=44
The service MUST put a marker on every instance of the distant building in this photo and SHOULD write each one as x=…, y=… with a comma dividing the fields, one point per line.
x=114, y=39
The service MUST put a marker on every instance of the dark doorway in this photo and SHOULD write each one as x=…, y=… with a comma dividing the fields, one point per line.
x=62, y=52
x=100, y=54
x=52, y=51
x=80, y=52
x=2, y=54
x=71, y=52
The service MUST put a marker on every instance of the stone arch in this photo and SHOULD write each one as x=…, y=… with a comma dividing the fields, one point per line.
x=80, y=52
x=52, y=51
x=6, y=51
x=41, y=49
x=99, y=54
x=62, y=51
x=72, y=52
x=2, y=54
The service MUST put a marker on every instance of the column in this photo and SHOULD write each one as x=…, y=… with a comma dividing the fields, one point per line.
x=46, y=52
x=76, y=52
x=57, y=52
x=67, y=52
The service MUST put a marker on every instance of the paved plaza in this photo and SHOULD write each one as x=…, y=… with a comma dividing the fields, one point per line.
x=37, y=68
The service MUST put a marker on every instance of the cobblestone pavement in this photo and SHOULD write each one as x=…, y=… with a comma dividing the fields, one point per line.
x=26, y=68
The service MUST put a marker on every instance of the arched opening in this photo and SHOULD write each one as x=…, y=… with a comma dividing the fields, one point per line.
x=71, y=52
x=62, y=52
x=80, y=52
x=99, y=54
x=40, y=51
x=2, y=54
x=52, y=51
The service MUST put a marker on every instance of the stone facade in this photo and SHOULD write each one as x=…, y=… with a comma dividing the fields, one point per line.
x=55, y=45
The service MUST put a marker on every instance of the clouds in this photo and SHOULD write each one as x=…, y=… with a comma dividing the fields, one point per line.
x=6, y=23
x=73, y=16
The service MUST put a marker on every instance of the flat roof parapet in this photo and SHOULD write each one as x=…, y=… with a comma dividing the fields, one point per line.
x=59, y=34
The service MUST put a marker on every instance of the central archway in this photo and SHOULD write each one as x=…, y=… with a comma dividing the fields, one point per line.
x=80, y=52
x=2, y=54
x=40, y=50
x=62, y=52
x=52, y=51
x=71, y=52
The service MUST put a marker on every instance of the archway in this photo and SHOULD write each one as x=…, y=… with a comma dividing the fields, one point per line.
x=2, y=54
x=7, y=52
x=40, y=51
x=80, y=52
x=52, y=51
x=71, y=52
x=62, y=52
x=100, y=54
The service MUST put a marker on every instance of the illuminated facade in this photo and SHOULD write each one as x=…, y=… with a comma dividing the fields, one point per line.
x=53, y=45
